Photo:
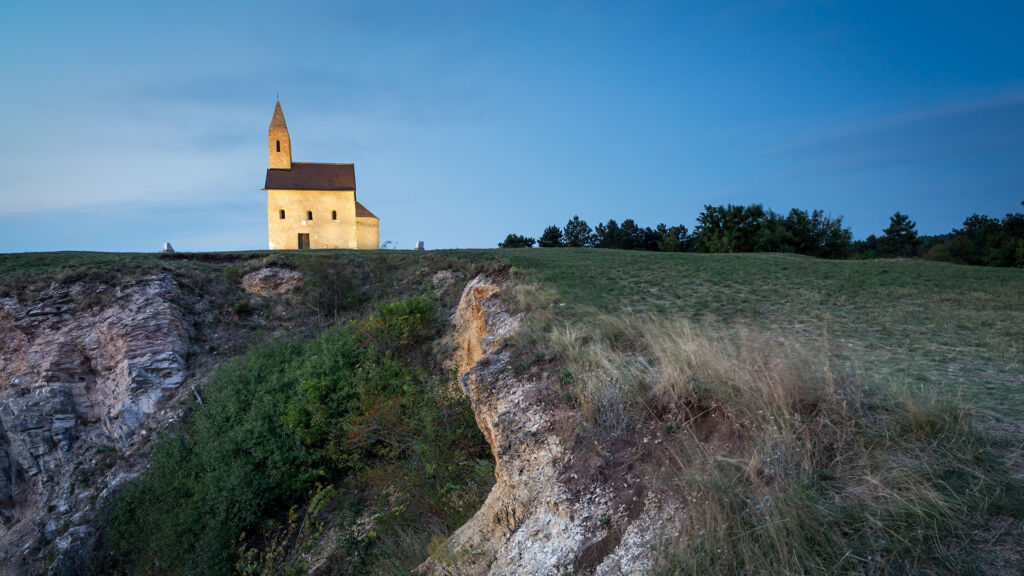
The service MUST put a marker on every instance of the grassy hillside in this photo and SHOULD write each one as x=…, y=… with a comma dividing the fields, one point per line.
x=871, y=409
x=894, y=479
x=926, y=325
x=954, y=329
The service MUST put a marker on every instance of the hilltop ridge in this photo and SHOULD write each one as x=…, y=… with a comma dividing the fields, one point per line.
x=597, y=379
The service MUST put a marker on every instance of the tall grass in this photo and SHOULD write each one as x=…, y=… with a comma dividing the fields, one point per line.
x=956, y=329
x=782, y=461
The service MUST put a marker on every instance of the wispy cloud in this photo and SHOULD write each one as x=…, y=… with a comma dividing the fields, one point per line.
x=960, y=130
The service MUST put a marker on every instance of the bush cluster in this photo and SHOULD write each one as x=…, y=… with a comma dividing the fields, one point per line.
x=719, y=229
x=725, y=229
x=984, y=241
x=357, y=408
x=754, y=229
x=899, y=240
x=626, y=236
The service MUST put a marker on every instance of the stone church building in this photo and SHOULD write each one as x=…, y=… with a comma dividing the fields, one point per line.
x=313, y=205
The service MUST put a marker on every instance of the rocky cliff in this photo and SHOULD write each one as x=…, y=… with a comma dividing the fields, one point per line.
x=554, y=508
x=88, y=372
x=82, y=368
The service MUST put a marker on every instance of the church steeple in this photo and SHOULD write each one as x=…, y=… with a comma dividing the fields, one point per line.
x=278, y=141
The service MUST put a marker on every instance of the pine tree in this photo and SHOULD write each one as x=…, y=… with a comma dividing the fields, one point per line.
x=900, y=238
x=578, y=233
x=551, y=238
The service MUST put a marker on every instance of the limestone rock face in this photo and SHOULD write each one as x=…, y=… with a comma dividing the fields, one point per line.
x=541, y=517
x=79, y=376
x=271, y=280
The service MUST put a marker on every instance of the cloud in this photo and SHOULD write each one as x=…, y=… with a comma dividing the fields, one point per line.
x=956, y=132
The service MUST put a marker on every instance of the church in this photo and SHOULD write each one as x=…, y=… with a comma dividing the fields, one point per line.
x=313, y=205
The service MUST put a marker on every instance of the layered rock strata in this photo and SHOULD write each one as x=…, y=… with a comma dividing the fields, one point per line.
x=82, y=368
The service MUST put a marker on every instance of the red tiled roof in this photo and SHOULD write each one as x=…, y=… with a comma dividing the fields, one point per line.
x=362, y=212
x=312, y=176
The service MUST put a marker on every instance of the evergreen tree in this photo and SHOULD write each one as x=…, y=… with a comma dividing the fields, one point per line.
x=632, y=235
x=608, y=235
x=551, y=238
x=900, y=238
x=578, y=233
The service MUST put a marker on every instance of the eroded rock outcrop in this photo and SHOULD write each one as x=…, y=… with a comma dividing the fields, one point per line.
x=272, y=280
x=82, y=368
x=551, y=511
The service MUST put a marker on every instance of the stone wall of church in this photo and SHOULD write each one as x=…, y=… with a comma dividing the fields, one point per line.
x=367, y=233
x=333, y=223
x=280, y=159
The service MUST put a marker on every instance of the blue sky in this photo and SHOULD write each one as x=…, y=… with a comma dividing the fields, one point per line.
x=130, y=124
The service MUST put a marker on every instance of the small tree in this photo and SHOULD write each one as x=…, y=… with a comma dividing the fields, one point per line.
x=578, y=233
x=672, y=239
x=900, y=238
x=815, y=234
x=551, y=238
x=608, y=235
x=737, y=229
x=517, y=241
x=632, y=235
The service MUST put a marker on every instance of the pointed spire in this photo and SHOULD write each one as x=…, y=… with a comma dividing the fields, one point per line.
x=278, y=121
x=280, y=144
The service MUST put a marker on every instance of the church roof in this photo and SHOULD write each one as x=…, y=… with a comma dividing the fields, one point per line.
x=362, y=212
x=312, y=176
x=278, y=120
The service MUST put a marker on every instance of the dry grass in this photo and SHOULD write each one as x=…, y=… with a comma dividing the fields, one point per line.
x=785, y=463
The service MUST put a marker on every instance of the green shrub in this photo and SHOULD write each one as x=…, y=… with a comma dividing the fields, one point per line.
x=357, y=408
x=330, y=289
x=517, y=241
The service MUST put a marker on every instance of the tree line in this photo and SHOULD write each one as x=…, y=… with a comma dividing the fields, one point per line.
x=982, y=240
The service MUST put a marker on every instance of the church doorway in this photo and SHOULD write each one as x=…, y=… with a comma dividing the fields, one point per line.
x=303, y=241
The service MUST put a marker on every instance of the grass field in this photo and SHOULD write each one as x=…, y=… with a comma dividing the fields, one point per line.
x=889, y=392
x=957, y=330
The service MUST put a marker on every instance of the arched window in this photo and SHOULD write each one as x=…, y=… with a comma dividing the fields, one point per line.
x=334, y=214
x=309, y=215
x=282, y=214
x=278, y=145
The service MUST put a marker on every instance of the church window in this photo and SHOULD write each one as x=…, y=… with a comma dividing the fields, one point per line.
x=282, y=214
x=278, y=145
x=309, y=215
x=334, y=214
